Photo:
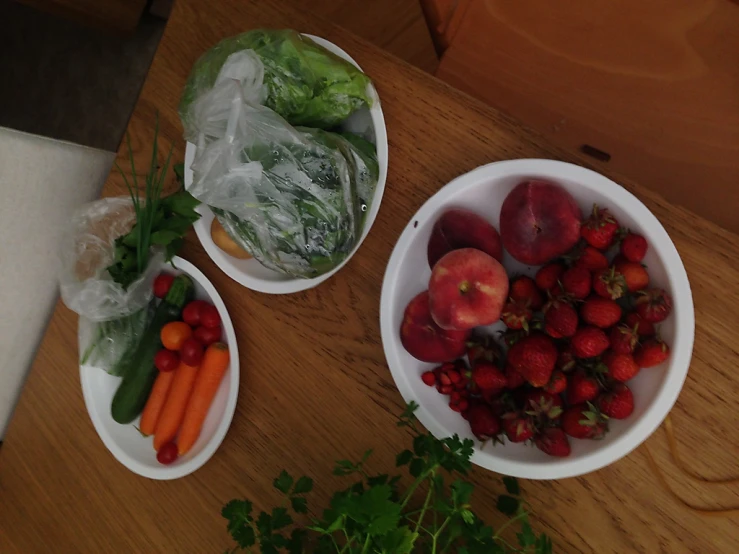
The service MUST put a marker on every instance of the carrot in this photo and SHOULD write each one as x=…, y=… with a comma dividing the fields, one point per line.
x=215, y=363
x=155, y=403
x=174, y=408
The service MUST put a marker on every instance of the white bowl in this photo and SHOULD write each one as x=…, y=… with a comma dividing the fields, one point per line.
x=369, y=123
x=125, y=442
x=483, y=191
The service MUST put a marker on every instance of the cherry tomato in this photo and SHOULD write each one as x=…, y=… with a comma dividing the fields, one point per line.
x=191, y=352
x=174, y=334
x=167, y=453
x=162, y=284
x=209, y=317
x=166, y=360
x=207, y=336
x=191, y=313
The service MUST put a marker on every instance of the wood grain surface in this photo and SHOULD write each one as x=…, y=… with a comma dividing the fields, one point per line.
x=654, y=84
x=315, y=386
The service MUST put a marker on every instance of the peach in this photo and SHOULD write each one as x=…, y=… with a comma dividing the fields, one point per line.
x=467, y=289
x=539, y=221
x=458, y=228
x=424, y=339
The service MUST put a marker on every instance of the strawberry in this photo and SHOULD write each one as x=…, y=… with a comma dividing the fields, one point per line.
x=516, y=314
x=621, y=367
x=576, y=282
x=524, y=289
x=635, y=276
x=643, y=328
x=589, y=342
x=553, y=441
x=601, y=312
x=534, y=357
x=428, y=378
x=501, y=403
x=599, y=229
x=482, y=347
x=619, y=260
x=653, y=352
x=557, y=382
x=565, y=358
x=653, y=305
x=458, y=404
x=623, y=339
x=617, y=403
x=581, y=388
x=541, y=404
x=634, y=247
x=518, y=426
x=584, y=421
x=488, y=377
x=484, y=424
x=609, y=283
x=591, y=259
x=547, y=278
x=513, y=378
x=560, y=319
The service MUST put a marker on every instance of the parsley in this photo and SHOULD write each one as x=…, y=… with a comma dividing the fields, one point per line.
x=374, y=515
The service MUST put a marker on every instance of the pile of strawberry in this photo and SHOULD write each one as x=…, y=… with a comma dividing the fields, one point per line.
x=576, y=334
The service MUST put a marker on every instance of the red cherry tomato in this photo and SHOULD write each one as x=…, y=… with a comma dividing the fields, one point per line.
x=167, y=453
x=166, y=360
x=191, y=313
x=209, y=317
x=207, y=336
x=162, y=284
x=191, y=352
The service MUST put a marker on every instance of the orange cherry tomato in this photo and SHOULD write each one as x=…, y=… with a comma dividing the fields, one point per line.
x=174, y=334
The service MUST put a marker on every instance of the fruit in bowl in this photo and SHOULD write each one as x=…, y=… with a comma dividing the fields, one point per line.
x=589, y=332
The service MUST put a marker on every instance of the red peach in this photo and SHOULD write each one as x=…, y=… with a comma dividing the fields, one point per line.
x=458, y=228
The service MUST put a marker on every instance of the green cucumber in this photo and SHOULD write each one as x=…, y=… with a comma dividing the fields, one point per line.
x=135, y=387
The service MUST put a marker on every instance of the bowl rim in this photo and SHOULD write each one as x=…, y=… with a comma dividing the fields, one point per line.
x=683, y=313
x=289, y=286
x=175, y=472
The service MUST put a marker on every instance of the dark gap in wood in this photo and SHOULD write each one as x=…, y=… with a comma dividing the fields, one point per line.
x=595, y=153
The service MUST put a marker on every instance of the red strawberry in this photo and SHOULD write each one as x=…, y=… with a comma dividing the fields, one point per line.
x=584, y=421
x=543, y=404
x=600, y=312
x=619, y=260
x=592, y=259
x=653, y=352
x=643, y=328
x=428, y=378
x=513, y=378
x=482, y=347
x=634, y=247
x=484, y=424
x=518, y=426
x=576, y=282
x=502, y=403
x=488, y=377
x=623, y=339
x=557, y=383
x=589, y=342
x=516, y=314
x=566, y=359
x=553, y=441
x=560, y=319
x=534, y=357
x=599, y=229
x=547, y=278
x=653, y=305
x=621, y=367
x=524, y=289
x=618, y=402
x=458, y=404
x=635, y=276
x=609, y=283
x=581, y=388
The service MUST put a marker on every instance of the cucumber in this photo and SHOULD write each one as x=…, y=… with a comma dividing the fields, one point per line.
x=135, y=387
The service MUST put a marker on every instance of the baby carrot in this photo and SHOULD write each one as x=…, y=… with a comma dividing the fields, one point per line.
x=212, y=369
x=174, y=408
x=156, y=401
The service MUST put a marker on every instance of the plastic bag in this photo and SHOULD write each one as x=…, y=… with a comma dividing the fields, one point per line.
x=112, y=319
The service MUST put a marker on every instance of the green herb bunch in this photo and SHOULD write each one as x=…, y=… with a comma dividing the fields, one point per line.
x=374, y=515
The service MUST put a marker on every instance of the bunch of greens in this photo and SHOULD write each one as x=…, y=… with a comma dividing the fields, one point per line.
x=375, y=515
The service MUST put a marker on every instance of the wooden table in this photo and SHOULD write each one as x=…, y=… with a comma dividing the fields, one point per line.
x=315, y=386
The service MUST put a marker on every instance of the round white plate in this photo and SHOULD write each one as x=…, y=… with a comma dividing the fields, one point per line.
x=483, y=191
x=370, y=123
x=135, y=451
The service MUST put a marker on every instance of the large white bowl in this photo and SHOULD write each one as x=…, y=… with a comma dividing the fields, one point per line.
x=370, y=123
x=483, y=191
x=125, y=442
